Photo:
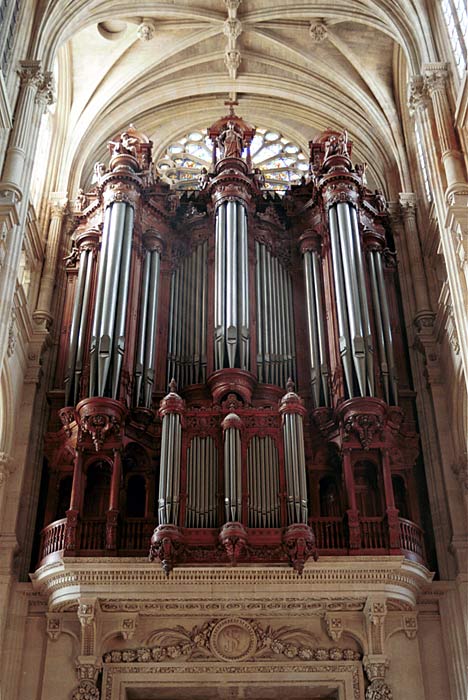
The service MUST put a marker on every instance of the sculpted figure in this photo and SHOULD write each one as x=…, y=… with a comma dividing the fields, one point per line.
x=259, y=178
x=342, y=144
x=203, y=179
x=231, y=141
x=127, y=144
x=98, y=173
x=360, y=169
x=81, y=200
x=380, y=202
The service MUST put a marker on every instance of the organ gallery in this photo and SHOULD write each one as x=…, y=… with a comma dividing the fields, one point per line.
x=233, y=386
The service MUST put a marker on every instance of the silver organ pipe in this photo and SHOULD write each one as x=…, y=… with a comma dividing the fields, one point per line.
x=232, y=326
x=343, y=326
x=121, y=313
x=353, y=304
x=379, y=325
x=188, y=317
x=263, y=482
x=321, y=327
x=150, y=334
x=232, y=468
x=275, y=323
x=364, y=304
x=202, y=483
x=93, y=355
x=169, y=476
x=292, y=411
x=140, y=350
x=386, y=325
x=80, y=350
x=76, y=325
x=312, y=325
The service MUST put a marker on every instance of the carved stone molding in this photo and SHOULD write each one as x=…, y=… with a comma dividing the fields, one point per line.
x=378, y=690
x=230, y=639
x=418, y=97
x=334, y=626
x=318, y=31
x=146, y=30
x=53, y=626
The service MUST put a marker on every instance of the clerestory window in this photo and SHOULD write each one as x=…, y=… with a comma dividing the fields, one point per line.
x=456, y=20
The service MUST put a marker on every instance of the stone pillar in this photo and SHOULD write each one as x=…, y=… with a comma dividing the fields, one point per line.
x=43, y=313
x=435, y=79
x=34, y=95
x=418, y=275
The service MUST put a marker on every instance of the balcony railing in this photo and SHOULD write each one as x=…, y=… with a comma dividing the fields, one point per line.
x=133, y=537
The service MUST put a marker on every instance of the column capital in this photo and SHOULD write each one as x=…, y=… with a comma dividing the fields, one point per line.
x=435, y=76
x=58, y=204
x=408, y=204
x=30, y=73
x=417, y=94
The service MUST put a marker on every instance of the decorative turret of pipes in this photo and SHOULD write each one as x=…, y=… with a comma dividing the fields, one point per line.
x=292, y=410
x=172, y=411
x=230, y=191
x=103, y=296
x=343, y=193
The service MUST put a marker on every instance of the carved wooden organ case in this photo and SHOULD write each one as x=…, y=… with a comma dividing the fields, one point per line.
x=275, y=324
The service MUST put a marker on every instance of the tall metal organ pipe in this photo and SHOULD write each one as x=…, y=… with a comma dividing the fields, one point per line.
x=145, y=351
x=316, y=328
x=263, y=482
x=108, y=334
x=351, y=297
x=172, y=409
x=232, y=330
x=292, y=410
x=232, y=426
x=276, y=352
x=186, y=356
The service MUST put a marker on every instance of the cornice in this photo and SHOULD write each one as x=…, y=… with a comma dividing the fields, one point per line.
x=133, y=578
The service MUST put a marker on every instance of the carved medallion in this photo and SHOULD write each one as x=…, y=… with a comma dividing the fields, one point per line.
x=233, y=640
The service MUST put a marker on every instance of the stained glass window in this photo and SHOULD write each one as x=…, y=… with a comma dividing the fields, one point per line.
x=281, y=161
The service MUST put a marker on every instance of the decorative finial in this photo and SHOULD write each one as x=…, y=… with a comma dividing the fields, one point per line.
x=231, y=104
x=290, y=385
x=173, y=386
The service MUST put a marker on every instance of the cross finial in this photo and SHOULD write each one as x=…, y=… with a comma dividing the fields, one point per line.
x=231, y=104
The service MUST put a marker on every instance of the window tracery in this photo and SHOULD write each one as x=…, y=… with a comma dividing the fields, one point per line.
x=281, y=161
x=456, y=20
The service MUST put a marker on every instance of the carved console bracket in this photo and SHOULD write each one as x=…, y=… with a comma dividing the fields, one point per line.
x=167, y=546
x=233, y=539
x=299, y=544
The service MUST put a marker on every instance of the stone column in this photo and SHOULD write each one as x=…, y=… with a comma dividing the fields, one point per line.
x=59, y=204
x=34, y=95
x=418, y=275
x=436, y=75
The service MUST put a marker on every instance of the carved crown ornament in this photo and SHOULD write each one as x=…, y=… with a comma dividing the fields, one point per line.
x=230, y=639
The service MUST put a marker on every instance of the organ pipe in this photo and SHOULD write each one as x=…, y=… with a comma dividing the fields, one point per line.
x=292, y=411
x=232, y=468
x=202, y=483
x=188, y=316
x=232, y=331
x=275, y=324
x=70, y=388
x=172, y=407
x=263, y=482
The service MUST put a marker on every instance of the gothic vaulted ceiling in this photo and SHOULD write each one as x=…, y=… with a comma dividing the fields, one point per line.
x=297, y=67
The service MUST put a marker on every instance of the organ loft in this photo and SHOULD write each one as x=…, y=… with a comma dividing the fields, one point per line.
x=235, y=385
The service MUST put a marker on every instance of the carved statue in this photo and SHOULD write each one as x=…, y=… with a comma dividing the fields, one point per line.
x=337, y=145
x=380, y=202
x=230, y=141
x=203, y=179
x=99, y=172
x=72, y=258
x=343, y=144
x=259, y=178
x=127, y=144
x=360, y=169
x=81, y=200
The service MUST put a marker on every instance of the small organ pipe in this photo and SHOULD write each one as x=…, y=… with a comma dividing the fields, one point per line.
x=232, y=467
x=203, y=311
x=244, y=291
x=259, y=309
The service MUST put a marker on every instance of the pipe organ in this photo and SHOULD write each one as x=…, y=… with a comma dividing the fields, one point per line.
x=275, y=322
